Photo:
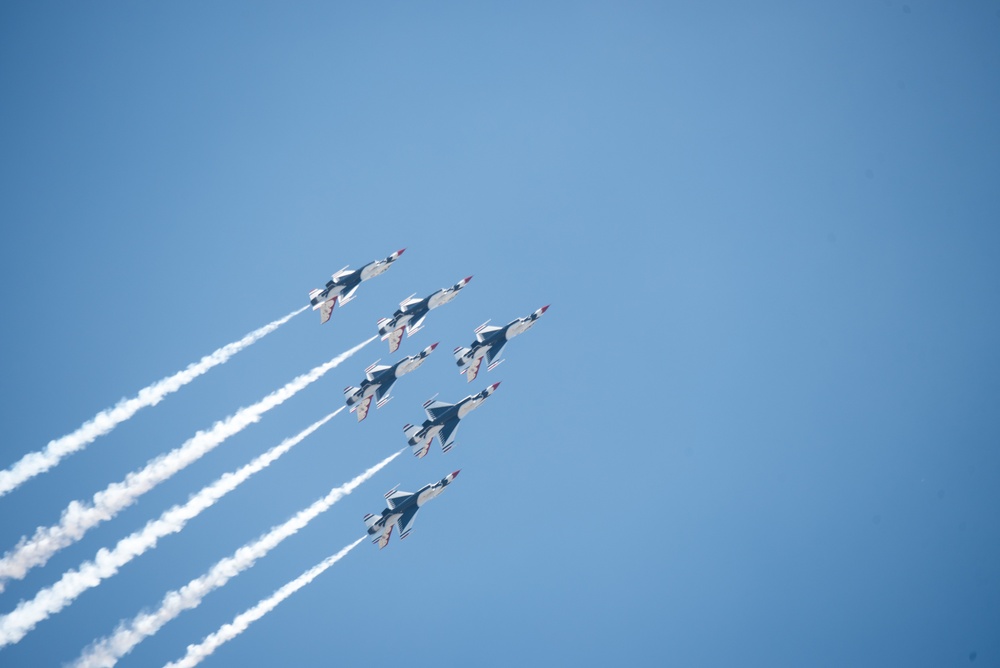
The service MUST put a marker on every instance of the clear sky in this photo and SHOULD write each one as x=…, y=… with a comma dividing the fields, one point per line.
x=758, y=425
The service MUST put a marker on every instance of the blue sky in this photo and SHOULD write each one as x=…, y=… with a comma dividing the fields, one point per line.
x=758, y=424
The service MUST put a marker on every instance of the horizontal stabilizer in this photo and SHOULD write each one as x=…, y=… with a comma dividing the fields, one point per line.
x=421, y=449
x=382, y=402
x=494, y=365
x=312, y=297
x=411, y=432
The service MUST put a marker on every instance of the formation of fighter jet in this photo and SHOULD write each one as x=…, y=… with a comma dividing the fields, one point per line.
x=378, y=381
x=442, y=421
x=344, y=284
x=412, y=312
x=442, y=418
x=403, y=507
x=490, y=342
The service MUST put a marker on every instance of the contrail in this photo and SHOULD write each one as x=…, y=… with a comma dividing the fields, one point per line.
x=39, y=462
x=79, y=517
x=197, y=653
x=107, y=651
x=47, y=602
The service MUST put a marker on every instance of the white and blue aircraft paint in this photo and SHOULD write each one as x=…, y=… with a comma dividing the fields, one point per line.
x=442, y=421
x=490, y=342
x=344, y=284
x=403, y=507
x=412, y=312
x=378, y=381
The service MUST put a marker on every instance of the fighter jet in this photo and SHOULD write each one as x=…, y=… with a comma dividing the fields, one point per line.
x=379, y=379
x=490, y=342
x=411, y=314
x=403, y=507
x=442, y=421
x=344, y=284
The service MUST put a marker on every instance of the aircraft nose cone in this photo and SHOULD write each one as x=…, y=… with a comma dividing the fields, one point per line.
x=434, y=345
x=465, y=281
x=493, y=387
x=455, y=474
x=544, y=308
x=399, y=252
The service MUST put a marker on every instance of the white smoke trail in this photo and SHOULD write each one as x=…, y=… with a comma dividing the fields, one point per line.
x=35, y=463
x=79, y=517
x=47, y=602
x=197, y=653
x=107, y=651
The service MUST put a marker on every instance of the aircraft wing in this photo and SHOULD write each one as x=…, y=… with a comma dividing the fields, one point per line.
x=326, y=309
x=447, y=435
x=383, y=388
x=416, y=326
x=435, y=409
x=344, y=298
x=482, y=334
x=397, y=498
x=383, y=540
x=395, y=337
x=472, y=370
x=362, y=408
x=406, y=521
x=343, y=273
x=494, y=352
x=408, y=302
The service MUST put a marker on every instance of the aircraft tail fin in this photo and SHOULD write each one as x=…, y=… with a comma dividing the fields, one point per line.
x=370, y=520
